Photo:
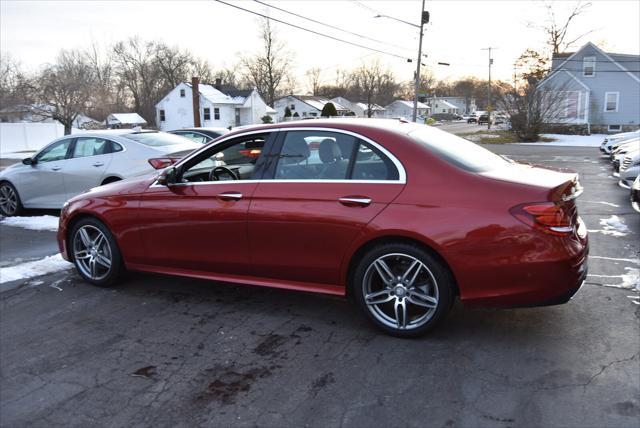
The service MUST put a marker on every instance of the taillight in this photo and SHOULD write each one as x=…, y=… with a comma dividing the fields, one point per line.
x=250, y=153
x=160, y=163
x=544, y=216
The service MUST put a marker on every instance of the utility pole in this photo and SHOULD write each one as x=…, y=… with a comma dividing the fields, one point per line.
x=489, y=108
x=424, y=19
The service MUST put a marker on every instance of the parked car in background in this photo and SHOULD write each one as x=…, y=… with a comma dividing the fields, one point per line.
x=472, y=119
x=635, y=194
x=483, y=119
x=75, y=163
x=201, y=135
x=339, y=207
x=611, y=140
x=629, y=168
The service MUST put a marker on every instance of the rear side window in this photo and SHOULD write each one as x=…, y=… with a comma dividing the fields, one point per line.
x=155, y=139
x=326, y=155
x=91, y=146
x=457, y=151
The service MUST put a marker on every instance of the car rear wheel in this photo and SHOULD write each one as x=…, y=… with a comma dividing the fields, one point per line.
x=403, y=289
x=10, y=204
x=95, y=253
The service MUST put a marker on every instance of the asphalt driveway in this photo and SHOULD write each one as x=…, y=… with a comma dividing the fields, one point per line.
x=161, y=351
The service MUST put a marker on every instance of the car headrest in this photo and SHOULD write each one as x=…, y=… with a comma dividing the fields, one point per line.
x=329, y=151
x=296, y=151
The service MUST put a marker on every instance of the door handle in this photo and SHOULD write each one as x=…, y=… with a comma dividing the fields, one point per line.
x=355, y=201
x=98, y=164
x=55, y=168
x=230, y=196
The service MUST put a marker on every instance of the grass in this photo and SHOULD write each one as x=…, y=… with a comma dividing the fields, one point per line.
x=495, y=137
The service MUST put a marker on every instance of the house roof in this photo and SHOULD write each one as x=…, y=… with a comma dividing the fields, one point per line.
x=224, y=95
x=408, y=104
x=445, y=103
x=126, y=118
x=374, y=107
x=318, y=102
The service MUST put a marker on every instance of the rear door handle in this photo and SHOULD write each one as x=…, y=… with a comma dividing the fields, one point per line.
x=55, y=168
x=98, y=164
x=355, y=201
x=230, y=196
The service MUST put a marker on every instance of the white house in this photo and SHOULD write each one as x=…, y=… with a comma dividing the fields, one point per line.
x=219, y=107
x=305, y=106
x=125, y=120
x=360, y=109
x=454, y=105
x=401, y=108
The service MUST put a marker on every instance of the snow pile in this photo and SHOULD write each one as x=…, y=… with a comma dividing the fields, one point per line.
x=630, y=279
x=43, y=222
x=613, y=226
x=593, y=140
x=35, y=268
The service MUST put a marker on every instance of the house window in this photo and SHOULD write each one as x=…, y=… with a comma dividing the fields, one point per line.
x=207, y=113
x=615, y=127
x=216, y=113
x=292, y=107
x=162, y=117
x=589, y=66
x=181, y=93
x=611, y=101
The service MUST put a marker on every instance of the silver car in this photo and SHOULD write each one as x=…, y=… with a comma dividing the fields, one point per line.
x=75, y=163
x=612, y=140
x=629, y=168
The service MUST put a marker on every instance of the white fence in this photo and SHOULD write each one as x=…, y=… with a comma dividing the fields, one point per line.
x=28, y=137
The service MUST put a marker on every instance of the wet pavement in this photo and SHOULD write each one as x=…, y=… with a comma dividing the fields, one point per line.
x=162, y=351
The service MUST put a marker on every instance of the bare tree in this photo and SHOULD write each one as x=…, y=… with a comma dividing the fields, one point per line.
x=175, y=65
x=313, y=75
x=267, y=69
x=14, y=84
x=557, y=29
x=64, y=88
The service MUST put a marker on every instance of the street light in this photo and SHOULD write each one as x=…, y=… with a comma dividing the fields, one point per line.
x=424, y=19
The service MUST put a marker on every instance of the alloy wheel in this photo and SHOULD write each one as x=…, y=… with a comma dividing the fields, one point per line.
x=92, y=252
x=400, y=291
x=8, y=199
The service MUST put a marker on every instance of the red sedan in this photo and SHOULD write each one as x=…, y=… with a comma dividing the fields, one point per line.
x=403, y=218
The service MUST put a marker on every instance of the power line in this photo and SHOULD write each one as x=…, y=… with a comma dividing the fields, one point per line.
x=329, y=25
x=313, y=32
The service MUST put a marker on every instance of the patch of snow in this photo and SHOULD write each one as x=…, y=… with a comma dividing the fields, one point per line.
x=630, y=279
x=593, y=140
x=17, y=155
x=47, y=265
x=636, y=261
x=43, y=222
x=613, y=226
x=603, y=203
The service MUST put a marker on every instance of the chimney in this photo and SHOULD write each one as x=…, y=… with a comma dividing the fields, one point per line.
x=218, y=83
x=195, y=90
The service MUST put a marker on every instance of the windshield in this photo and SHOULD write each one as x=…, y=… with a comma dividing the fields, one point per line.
x=157, y=139
x=458, y=151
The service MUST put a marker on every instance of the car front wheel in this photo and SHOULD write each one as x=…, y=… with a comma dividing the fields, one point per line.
x=403, y=289
x=95, y=253
x=10, y=204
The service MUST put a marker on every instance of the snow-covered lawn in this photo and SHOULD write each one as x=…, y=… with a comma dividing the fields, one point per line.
x=17, y=155
x=593, y=140
x=43, y=222
x=47, y=265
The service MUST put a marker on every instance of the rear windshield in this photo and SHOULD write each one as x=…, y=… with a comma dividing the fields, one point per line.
x=157, y=139
x=458, y=151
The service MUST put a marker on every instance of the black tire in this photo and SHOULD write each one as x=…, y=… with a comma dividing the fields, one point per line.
x=104, y=277
x=10, y=203
x=433, y=281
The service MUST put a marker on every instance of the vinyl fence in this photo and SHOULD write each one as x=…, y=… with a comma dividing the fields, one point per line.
x=27, y=137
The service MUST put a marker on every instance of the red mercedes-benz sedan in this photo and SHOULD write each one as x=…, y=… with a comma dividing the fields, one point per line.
x=400, y=217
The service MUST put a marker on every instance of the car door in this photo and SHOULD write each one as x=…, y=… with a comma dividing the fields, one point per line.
x=86, y=167
x=43, y=184
x=321, y=189
x=200, y=223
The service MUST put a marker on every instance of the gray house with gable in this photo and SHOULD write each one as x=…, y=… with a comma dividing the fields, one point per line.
x=599, y=90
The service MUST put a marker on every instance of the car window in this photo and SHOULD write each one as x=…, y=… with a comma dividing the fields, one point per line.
x=371, y=164
x=55, y=152
x=198, y=138
x=91, y=146
x=115, y=147
x=240, y=156
x=315, y=155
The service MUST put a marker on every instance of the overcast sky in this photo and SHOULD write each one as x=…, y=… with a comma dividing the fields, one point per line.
x=33, y=31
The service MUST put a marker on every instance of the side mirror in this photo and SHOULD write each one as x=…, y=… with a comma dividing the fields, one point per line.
x=29, y=161
x=168, y=176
